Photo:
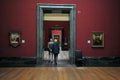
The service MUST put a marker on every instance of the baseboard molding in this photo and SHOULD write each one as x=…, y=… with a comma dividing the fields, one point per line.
x=17, y=61
x=87, y=61
x=101, y=61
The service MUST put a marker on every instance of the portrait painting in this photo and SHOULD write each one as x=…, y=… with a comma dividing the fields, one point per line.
x=97, y=39
x=14, y=39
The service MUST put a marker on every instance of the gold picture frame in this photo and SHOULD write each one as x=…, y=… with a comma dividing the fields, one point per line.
x=15, y=39
x=97, y=39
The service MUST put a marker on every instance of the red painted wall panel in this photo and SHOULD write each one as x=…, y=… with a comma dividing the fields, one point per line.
x=57, y=32
x=95, y=15
x=18, y=16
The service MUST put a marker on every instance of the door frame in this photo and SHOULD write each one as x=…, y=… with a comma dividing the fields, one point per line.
x=40, y=27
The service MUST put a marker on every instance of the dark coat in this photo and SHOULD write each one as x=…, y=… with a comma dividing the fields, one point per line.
x=55, y=48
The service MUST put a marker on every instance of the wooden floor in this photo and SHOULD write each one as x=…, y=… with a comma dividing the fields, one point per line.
x=60, y=73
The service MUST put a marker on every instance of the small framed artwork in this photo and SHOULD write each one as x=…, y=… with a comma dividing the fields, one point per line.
x=15, y=39
x=97, y=39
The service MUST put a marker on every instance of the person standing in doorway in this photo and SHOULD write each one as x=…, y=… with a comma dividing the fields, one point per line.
x=50, y=45
x=55, y=50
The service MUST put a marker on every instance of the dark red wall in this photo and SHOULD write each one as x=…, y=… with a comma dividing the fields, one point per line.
x=18, y=16
x=92, y=15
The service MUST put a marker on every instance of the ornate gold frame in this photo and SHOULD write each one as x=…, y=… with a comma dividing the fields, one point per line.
x=97, y=39
x=15, y=39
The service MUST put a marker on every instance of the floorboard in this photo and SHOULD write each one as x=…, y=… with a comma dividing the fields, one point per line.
x=60, y=73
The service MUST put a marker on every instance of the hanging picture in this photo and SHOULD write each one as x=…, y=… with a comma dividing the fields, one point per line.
x=97, y=39
x=15, y=39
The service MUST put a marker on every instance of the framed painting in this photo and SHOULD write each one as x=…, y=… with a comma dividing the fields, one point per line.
x=15, y=39
x=97, y=39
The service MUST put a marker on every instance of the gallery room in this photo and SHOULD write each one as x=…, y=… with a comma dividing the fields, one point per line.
x=84, y=35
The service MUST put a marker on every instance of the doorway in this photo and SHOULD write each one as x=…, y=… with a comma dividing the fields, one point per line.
x=40, y=26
